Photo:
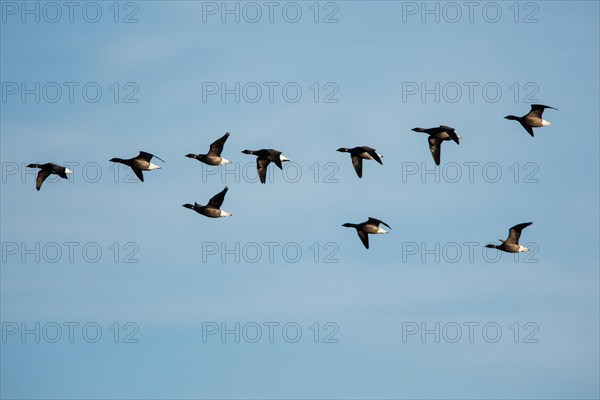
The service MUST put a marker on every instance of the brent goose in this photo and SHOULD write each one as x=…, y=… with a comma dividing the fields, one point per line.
x=264, y=158
x=214, y=153
x=139, y=163
x=436, y=137
x=533, y=119
x=361, y=153
x=212, y=209
x=369, y=226
x=48, y=169
x=511, y=245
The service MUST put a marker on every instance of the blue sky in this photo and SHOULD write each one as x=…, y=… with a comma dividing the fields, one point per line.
x=369, y=57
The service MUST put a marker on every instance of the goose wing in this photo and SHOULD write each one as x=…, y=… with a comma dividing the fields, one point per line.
x=435, y=146
x=373, y=153
x=528, y=128
x=147, y=156
x=138, y=173
x=357, y=164
x=376, y=222
x=514, y=233
x=41, y=177
x=216, y=147
x=364, y=238
x=450, y=131
x=537, y=110
x=276, y=158
x=261, y=166
x=217, y=200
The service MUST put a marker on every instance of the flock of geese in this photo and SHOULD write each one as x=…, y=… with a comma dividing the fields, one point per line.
x=264, y=157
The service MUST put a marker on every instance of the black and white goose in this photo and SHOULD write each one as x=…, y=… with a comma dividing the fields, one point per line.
x=213, y=157
x=511, y=244
x=139, y=163
x=48, y=169
x=264, y=158
x=213, y=208
x=361, y=153
x=533, y=119
x=371, y=226
x=436, y=137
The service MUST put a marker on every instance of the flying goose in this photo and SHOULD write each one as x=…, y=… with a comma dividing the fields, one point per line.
x=139, y=163
x=213, y=208
x=533, y=119
x=361, y=153
x=511, y=244
x=371, y=226
x=436, y=137
x=264, y=158
x=48, y=169
x=213, y=157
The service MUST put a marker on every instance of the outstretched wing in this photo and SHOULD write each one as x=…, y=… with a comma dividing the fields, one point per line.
x=138, y=173
x=147, y=156
x=364, y=238
x=373, y=154
x=528, y=128
x=62, y=172
x=376, y=222
x=435, y=146
x=276, y=158
x=261, y=166
x=217, y=146
x=41, y=177
x=357, y=164
x=514, y=233
x=537, y=110
x=217, y=200
x=450, y=131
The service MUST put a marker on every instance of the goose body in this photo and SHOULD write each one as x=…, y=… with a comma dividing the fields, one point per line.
x=371, y=226
x=533, y=119
x=139, y=163
x=213, y=157
x=436, y=137
x=49, y=169
x=511, y=244
x=213, y=208
x=361, y=153
x=263, y=158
